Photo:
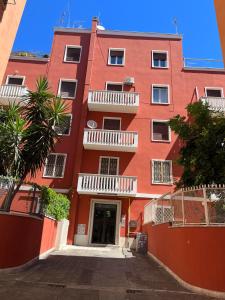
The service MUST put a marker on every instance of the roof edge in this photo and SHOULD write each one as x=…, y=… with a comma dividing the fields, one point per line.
x=29, y=58
x=214, y=70
x=71, y=30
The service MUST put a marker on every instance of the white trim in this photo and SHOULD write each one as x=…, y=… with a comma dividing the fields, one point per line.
x=74, y=47
x=64, y=166
x=169, y=131
x=167, y=58
x=109, y=157
x=171, y=172
x=15, y=76
x=70, y=126
x=160, y=85
x=110, y=118
x=91, y=218
x=67, y=80
x=124, y=56
x=214, y=88
x=113, y=83
x=150, y=196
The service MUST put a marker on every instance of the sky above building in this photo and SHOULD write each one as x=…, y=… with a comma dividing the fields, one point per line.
x=196, y=21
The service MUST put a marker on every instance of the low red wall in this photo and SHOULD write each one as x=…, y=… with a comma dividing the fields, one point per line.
x=195, y=254
x=23, y=237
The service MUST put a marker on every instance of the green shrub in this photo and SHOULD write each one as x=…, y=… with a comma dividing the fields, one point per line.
x=54, y=204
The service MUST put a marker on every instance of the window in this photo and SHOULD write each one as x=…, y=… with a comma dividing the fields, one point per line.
x=160, y=59
x=116, y=57
x=110, y=86
x=67, y=88
x=109, y=165
x=72, y=54
x=214, y=92
x=163, y=214
x=15, y=80
x=160, y=131
x=63, y=128
x=55, y=165
x=160, y=94
x=111, y=124
x=162, y=171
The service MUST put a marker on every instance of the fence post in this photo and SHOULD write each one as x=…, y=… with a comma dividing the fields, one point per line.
x=206, y=207
x=182, y=198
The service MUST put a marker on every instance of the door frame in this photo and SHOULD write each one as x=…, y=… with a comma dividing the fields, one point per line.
x=91, y=219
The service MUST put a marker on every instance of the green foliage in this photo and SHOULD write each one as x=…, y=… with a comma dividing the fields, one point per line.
x=54, y=204
x=202, y=154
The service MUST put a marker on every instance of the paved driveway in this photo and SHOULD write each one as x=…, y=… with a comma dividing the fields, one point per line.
x=93, y=274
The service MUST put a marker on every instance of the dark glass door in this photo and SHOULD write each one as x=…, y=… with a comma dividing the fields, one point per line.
x=104, y=223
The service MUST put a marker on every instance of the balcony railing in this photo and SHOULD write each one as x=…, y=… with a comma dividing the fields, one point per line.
x=111, y=140
x=215, y=103
x=113, y=101
x=12, y=93
x=95, y=184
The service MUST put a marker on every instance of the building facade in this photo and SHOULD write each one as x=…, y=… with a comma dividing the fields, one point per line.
x=116, y=151
x=10, y=15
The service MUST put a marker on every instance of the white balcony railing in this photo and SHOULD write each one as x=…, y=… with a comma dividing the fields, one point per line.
x=107, y=184
x=112, y=140
x=215, y=103
x=12, y=93
x=113, y=101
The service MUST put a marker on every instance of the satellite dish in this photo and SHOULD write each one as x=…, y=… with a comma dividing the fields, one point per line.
x=91, y=124
x=100, y=27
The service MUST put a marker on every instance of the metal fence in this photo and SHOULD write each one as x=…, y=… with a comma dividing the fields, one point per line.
x=203, y=205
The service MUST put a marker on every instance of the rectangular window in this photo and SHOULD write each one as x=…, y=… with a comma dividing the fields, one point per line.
x=214, y=92
x=160, y=94
x=111, y=124
x=63, y=128
x=114, y=86
x=116, y=57
x=109, y=165
x=160, y=131
x=72, y=54
x=67, y=88
x=55, y=165
x=160, y=59
x=15, y=80
x=162, y=171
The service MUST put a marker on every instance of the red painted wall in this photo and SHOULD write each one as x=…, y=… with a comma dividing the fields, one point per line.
x=195, y=254
x=23, y=238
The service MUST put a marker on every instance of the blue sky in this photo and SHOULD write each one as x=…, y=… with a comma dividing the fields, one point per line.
x=196, y=21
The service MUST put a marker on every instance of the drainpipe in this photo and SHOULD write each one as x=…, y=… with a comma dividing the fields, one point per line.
x=128, y=229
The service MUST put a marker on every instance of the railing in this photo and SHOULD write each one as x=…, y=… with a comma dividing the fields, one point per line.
x=114, y=98
x=204, y=205
x=107, y=184
x=111, y=138
x=8, y=91
x=215, y=103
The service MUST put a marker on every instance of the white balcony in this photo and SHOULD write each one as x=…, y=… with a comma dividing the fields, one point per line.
x=95, y=184
x=110, y=140
x=215, y=103
x=111, y=101
x=12, y=93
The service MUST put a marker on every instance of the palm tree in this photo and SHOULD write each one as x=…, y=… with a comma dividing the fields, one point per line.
x=27, y=135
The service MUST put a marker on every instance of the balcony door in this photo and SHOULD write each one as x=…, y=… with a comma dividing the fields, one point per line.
x=112, y=124
x=109, y=165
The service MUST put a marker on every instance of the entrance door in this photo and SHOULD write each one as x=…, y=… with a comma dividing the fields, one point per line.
x=104, y=223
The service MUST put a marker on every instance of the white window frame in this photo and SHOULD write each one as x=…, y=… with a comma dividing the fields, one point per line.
x=74, y=47
x=71, y=118
x=114, y=83
x=169, y=131
x=214, y=88
x=171, y=172
x=64, y=166
x=109, y=157
x=111, y=118
x=15, y=76
x=167, y=58
x=117, y=49
x=67, y=80
x=160, y=85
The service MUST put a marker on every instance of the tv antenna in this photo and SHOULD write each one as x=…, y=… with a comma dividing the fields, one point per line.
x=175, y=23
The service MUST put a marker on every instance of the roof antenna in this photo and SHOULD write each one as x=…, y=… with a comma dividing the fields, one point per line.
x=175, y=23
x=69, y=13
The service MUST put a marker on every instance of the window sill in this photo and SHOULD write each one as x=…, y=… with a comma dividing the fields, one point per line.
x=52, y=177
x=162, y=183
x=158, y=103
x=115, y=65
x=161, y=141
x=153, y=67
x=71, y=62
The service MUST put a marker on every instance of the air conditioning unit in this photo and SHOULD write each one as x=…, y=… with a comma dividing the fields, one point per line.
x=129, y=81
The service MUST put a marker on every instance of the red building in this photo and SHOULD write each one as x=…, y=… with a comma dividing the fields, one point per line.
x=116, y=151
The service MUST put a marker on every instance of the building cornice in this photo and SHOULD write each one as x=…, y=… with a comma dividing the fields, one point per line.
x=29, y=58
x=213, y=70
x=71, y=30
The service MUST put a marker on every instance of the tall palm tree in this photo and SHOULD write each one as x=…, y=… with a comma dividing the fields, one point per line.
x=27, y=135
